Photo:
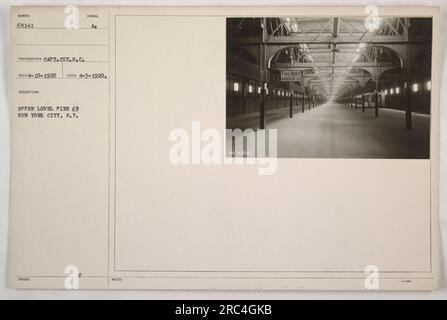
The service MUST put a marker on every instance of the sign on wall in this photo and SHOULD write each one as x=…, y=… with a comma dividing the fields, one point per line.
x=290, y=75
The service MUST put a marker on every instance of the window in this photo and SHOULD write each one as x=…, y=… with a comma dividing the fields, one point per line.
x=386, y=92
x=391, y=91
x=236, y=86
x=415, y=87
x=397, y=90
x=428, y=85
x=259, y=90
x=250, y=89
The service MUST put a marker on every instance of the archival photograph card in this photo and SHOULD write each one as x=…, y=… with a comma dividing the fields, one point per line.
x=224, y=148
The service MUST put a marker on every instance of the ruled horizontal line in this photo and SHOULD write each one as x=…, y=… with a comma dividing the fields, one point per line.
x=62, y=61
x=62, y=79
x=62, y=28
x=64, y=44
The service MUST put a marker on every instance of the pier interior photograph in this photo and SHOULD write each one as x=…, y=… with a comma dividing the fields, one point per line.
x=332, y=87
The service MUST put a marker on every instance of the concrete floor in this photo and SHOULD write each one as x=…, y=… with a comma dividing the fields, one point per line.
x=334, y=130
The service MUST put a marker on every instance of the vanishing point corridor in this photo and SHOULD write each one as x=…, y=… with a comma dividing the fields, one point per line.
x=334, y=130
x=332, y=87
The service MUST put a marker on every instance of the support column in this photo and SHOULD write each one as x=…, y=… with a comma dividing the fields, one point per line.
x=303, y=92
x=244, y=96
x=263, y=63
x=291, y=101
x=302, y=102
x=406, y=84
x=406, y=97
x=376, y=105
x=376, y=75
x=262, y=109
x=356, y=102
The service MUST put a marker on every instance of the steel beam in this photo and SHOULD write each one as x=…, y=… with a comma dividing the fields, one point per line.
x=323, y=64
x=340, y=39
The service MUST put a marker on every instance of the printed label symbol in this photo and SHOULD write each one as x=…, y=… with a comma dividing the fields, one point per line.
x=72, y=278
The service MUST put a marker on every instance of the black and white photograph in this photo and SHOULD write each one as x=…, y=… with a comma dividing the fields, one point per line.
x=331, y=87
